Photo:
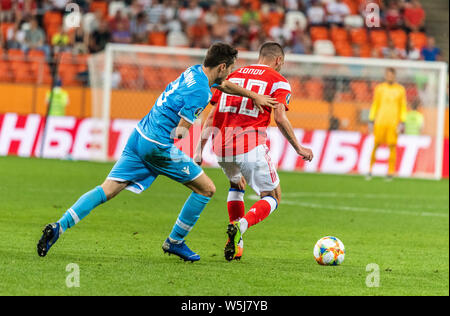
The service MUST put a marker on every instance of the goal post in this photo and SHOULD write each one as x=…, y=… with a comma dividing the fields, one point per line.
x=331, y=98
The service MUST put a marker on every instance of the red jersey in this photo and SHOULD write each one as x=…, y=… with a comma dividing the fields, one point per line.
x=238, y=124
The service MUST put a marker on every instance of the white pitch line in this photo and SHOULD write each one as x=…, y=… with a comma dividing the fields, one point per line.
x=354, y=209
x=362, y=195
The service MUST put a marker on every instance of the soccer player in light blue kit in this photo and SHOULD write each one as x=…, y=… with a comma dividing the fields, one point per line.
x=150, y=151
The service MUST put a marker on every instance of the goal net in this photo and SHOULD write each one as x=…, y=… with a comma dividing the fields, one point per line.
x=329, y=108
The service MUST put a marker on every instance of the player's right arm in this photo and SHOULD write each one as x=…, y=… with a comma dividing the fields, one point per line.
x=286, y=129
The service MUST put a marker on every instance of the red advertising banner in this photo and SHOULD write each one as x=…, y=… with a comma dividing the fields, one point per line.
x=341, y=152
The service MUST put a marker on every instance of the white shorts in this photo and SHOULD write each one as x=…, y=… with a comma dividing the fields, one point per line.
x=256, y=167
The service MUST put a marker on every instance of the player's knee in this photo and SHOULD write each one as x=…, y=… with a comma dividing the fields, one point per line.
x=209, y=190
x=112, y=188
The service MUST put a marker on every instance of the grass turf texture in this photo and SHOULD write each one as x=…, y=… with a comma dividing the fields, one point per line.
x=402, y=226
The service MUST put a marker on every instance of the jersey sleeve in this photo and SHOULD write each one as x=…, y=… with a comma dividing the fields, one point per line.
x=194, y=104
x=216, y=97
x=281, y=91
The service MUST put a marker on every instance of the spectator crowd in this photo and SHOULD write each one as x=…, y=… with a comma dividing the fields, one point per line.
x=329, y=27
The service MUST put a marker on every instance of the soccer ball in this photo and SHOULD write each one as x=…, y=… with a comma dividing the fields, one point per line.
x=329, y=251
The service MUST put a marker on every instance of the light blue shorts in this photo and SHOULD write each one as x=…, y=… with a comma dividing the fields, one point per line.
x=143, y=160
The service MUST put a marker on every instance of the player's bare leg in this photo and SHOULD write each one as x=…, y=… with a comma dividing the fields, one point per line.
x=203, y=185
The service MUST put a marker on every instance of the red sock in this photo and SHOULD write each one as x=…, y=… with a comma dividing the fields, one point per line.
x=260, y=210
x=235, y=203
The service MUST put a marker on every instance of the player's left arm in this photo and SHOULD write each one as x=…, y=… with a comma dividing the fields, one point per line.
x=259, y=100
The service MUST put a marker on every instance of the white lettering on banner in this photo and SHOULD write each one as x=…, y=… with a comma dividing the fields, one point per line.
x=277, y=144
x=344, y=152
x=124, y=128
x=57, y=140
x=26, y=135
x=365, y=154
x=88, y=140
x=340, y=156
x=412, y=146
x=290, y=159
x=208, y=156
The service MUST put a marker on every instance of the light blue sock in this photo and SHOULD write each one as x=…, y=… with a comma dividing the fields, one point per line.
x=189, y=215
x=85, y=204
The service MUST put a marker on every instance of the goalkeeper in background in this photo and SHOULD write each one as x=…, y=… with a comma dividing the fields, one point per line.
x=387, y=117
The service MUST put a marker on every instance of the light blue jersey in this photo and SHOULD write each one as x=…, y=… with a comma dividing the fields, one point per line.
x=184, y=98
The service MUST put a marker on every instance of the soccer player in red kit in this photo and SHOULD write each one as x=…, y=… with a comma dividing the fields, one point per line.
x=238, y=130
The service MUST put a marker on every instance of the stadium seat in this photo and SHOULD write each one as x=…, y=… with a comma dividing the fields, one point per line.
x=314, y=89
x=157, y=38
x=399, y=38
x=358, y=36
x=418, y=39
x=81, y=62
x=344, y=49
x=294, y=17
x=324, y=48
x=354, y=21
x=318, y=33
x=5, y=71
x=361, y=91
x=115, y=6
x=378, y=38
x=352, y=5
x=52, y=18
x=338, y=34
x=101, y=6
x=365, y=51
x=129, y=75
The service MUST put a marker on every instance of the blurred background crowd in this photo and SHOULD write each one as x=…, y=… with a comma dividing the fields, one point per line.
x=326, y=27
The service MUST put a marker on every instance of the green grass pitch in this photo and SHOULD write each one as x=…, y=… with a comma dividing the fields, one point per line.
x=401, y=226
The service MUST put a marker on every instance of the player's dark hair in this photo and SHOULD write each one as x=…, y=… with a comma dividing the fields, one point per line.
x=391, y=70
x=220, y=53
x=271, y=50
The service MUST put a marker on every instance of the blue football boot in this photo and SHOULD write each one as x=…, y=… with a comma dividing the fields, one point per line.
x=50, y=235
x=181, y=250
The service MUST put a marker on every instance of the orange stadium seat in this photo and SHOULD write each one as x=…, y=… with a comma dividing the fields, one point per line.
x=157, y=38
x=314, y=89
x=358, y=36
x=101, y=6
x=81, y=62
x=352, y=5
x=379, y=38
x=399, y=37
x=339, y=34
x=52, y=18
x=318, y=33
x=361, y=91
x=365, y=51
x=4, y=28
x=5, y=71
x=344, y=49
x=129, y=75
x=418, y=39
